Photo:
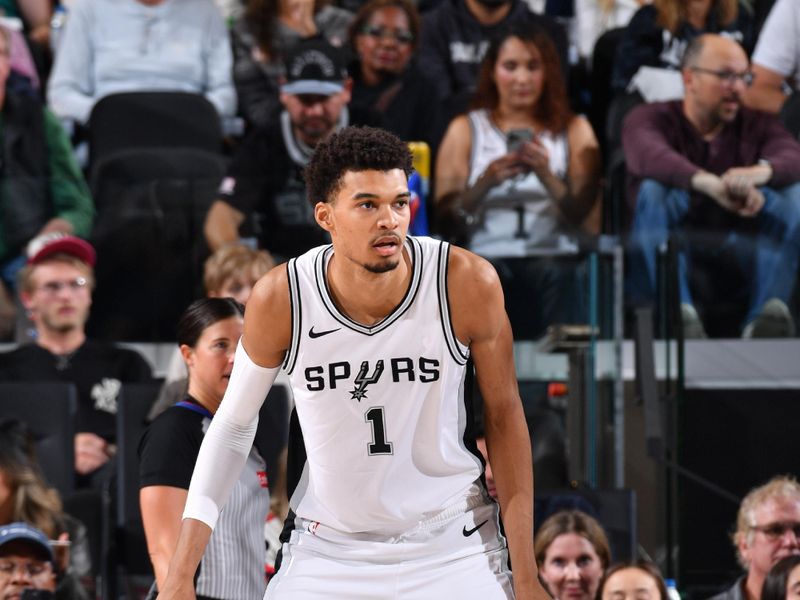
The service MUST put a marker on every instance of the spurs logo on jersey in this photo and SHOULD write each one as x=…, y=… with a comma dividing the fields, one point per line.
x=332, y=375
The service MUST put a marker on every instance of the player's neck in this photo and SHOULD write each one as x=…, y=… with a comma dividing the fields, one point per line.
x=364, y=296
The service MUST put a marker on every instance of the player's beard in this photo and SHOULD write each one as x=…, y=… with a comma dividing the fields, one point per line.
x=384, y=267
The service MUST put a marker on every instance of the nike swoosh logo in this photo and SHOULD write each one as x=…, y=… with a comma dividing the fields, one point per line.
x=315, y=334
x=469, y=532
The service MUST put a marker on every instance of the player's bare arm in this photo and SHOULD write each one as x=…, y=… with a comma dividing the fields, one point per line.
x=480, y=320
x=267, y=332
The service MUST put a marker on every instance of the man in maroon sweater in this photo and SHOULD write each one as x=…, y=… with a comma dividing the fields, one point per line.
x=708, y=164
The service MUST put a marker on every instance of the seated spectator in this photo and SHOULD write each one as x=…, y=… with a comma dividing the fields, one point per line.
x=42, y=189
x=776, y=60
x=572, y=553
x=24, y=496
x=658, y=34
x=783, y=580
x=264, y=181
x=707, y=164
x=263, y=36
x=638, y=580
x=27, y=563
x=56, y=291
x=112, y=46
x=456, y=34
x=386, y=77
x=233, y=563
x=520, y=169
x=767, y=530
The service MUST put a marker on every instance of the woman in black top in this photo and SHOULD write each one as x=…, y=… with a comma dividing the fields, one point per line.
x=233, y=564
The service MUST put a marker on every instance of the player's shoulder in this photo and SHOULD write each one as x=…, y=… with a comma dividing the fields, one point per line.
x=470, y=275
x=271, y=292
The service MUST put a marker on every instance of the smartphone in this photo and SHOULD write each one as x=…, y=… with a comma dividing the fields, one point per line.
x=516, y=137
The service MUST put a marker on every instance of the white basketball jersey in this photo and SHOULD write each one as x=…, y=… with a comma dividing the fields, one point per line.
x=382, y=406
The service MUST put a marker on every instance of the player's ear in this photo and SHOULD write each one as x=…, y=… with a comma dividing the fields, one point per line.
x=322, y=213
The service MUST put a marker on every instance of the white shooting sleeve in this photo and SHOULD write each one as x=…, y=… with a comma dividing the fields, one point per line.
x=229, y=439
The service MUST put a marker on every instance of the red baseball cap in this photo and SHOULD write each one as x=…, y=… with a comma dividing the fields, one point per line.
x=41, y=247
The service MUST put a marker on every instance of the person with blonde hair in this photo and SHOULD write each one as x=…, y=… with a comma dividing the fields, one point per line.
x=767, y=530
x=572, y=552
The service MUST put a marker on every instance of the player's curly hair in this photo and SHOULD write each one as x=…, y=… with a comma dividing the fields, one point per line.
x=353, y=149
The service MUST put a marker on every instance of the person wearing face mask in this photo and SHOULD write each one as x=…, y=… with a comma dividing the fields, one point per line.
x=572, y=553
x=233, y=567
x=456, y=34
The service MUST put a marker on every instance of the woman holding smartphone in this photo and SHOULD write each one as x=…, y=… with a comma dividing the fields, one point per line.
x=520, y=169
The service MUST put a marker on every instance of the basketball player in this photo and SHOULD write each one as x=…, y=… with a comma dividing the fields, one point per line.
x=374, y=332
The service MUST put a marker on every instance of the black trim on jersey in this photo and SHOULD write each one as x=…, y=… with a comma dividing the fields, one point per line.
x=444, y=306
x=397, y=312
x=289, y=525
x=296, y=315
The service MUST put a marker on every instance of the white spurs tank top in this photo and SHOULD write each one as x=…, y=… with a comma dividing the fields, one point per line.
x=381, y=407
x=500, y=223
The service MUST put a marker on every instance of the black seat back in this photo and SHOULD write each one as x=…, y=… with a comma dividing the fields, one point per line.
x=153, y=119
x=148, y=233
x=48, y=409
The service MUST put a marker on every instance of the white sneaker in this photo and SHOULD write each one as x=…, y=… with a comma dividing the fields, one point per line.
x=774, y=321
x=692, y=325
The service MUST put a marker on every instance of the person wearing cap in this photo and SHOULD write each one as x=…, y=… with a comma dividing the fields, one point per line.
x=27, y=562
x=56, y=291
x=42, y=189
x=263, y=193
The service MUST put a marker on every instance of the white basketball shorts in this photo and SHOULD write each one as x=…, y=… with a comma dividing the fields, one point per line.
x=460, y=553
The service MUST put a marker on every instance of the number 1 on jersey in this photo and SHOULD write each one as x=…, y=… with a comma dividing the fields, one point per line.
x=379, y=445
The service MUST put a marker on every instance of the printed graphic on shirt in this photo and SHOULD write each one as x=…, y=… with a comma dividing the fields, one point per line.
x=105, y=394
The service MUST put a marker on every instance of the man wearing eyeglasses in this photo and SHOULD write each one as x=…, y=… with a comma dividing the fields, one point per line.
x=725, y=177
x=767, y=530
x=56, y=290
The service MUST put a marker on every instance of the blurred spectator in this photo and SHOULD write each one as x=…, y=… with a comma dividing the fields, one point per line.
x=232, y=565
x=27, y=562
x=783, y=580
x=231, y=272
x=386, y=77
x=456, y=34
x=264, y=181
x=42, y=189
x=594, y=17
x=637, y=580
x=776, y=60
x=572, y=553
x=708, y=165
x=767, y=530
x=113, y=46
x=35, y=15
x=56, y=291
x=261, y=39
x=658, y=34
x=518, y=171
x=24, y=496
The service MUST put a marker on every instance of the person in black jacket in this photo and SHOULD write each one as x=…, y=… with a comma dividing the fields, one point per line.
x=56, y=290
x=456, y=34
x=386, y=77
